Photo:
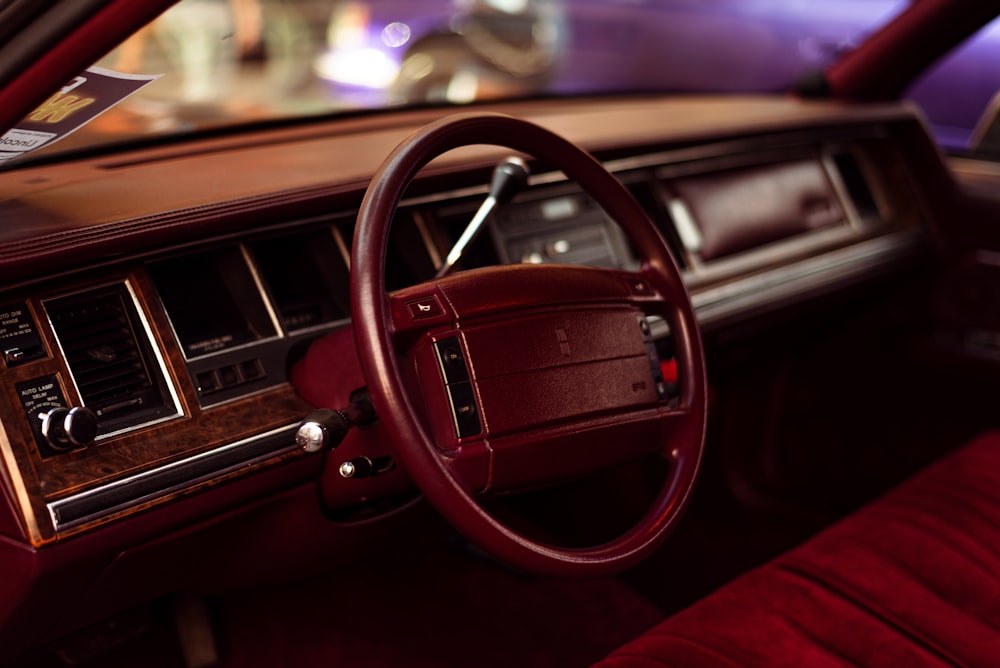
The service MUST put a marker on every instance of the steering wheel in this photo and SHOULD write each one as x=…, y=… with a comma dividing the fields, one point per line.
x=511, y=377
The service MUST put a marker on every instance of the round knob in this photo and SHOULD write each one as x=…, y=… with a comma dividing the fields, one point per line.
x=359, y=467
x=311, y=437
x=322, y=429
x=68, y=428
x=81, y=425
x=325, y=428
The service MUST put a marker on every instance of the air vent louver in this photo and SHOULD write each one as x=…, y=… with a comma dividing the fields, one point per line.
x=110, y=357
x=100, y=347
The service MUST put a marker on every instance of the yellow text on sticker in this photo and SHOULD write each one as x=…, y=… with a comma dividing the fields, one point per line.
x=59, y=107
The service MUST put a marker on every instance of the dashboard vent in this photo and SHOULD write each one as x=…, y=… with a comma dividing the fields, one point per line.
x=110, y=357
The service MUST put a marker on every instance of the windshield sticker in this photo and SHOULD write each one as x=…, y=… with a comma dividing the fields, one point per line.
x=71, y=107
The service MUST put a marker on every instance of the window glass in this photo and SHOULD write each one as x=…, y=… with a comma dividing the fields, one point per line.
x=231, y=62
x=959, y=94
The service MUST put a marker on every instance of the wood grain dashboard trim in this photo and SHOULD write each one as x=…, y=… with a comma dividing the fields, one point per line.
x=169, y=479
x=108, y=241
x=38, y=482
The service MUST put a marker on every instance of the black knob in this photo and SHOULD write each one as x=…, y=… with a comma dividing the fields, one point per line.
x=81, y=426
x=509, y=178
x=69, y=428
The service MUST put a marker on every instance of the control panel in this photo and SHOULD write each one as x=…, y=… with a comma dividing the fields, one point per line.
x=56, y=426
x=19, y=339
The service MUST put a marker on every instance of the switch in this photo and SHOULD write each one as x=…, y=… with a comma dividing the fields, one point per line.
x=19, y=338
x=364, y=467
x=425, y=307
x=452, y=362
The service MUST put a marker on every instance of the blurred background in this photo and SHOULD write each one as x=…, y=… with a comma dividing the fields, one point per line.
x=231, y=62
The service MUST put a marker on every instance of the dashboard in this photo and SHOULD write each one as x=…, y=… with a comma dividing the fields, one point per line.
x=173, y=294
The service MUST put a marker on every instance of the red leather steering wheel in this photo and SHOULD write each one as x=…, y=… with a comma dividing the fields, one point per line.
x=509, y=377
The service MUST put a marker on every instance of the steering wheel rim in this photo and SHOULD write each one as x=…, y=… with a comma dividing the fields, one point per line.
x=375, y=331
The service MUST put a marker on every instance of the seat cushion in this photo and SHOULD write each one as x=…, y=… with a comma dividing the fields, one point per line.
x=912, y=579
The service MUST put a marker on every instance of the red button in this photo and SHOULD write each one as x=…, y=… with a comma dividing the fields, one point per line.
x=427, y=307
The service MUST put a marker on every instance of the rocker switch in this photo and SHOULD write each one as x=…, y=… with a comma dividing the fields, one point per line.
x=458, y=385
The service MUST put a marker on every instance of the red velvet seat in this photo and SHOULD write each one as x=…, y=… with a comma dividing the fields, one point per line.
x=911, y=580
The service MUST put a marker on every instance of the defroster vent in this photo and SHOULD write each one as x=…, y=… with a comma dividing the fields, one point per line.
x=110, y=357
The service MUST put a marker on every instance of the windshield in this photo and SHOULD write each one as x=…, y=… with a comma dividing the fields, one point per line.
x=232, y=62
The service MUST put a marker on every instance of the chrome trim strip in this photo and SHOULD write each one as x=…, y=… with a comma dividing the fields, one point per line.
x=344, y=246
x=684, y=223
x=787, y=251
x=11, y=472
x=264, y=296
x=833, y=174
x=816, y=272
x=162, y=471
x=318, y=329
x=160, y=362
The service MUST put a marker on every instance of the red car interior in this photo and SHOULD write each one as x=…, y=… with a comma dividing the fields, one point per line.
x=909, y=580
x=532, y=423
x=718, y=388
